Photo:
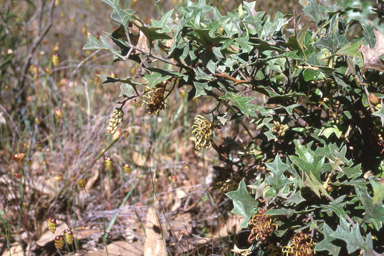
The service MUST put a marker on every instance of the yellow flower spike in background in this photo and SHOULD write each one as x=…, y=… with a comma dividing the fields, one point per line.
x=18, y=156
x=108, y=163
x=116, y=119
x=81, y=183
x=127, y=168
x=39, y=147
x=51, y=222
x=55, y=60
x=59, y=242
x=68, y=236
x=203, y=130
x=58, y=177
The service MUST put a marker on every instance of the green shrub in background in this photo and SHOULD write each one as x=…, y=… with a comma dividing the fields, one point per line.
x=308, y=103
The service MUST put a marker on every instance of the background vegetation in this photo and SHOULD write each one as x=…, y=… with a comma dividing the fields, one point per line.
x=58, y=116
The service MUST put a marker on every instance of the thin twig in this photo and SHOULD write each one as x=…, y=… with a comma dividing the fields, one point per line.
x=83, y=61
x=35, y=44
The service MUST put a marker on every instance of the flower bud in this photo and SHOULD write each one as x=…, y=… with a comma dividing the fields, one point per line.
x=127, y=168
x=58, y=177
x=117, y=134
x=39, y=147
x=59, y=242
x=58, y=114
x=81, y=183
x=108, y=163
x=51, y=222
x=68, y=236
x=55, y=60
x=18, y=156
x=37, y=120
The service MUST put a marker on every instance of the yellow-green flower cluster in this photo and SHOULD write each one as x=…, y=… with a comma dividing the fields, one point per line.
x=262, y=227
x=279, y=129
x=116, y=119
x=300, y=245
x=203, y=130
x=154, y=99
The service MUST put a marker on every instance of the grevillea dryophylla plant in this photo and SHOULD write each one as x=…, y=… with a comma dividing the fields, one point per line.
x=308, y=103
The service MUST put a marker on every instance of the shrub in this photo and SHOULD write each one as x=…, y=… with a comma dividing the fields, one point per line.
x=308, y=102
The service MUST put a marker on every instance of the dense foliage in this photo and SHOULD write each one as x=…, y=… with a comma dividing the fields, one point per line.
x=308, y=103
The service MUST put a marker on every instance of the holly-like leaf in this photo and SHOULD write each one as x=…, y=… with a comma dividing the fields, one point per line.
x=281, y=211
x=326, y=244
x=269, y=28
x=201, y=5
x=239, y=101
x=163, y=22
x=243, y=203
x=201, y=75
x=126, y=90
x=205, y=36
x=277, y=167
x=94, y=44
x=253, y=18
x=350, y=50
x=328, y=131
x=200, y=88
x=159, y=75
x=289, y=109
x=374, y=212
x=380, y=113
x=378, y=191
x=244, y=43
x=314, y=11
x=333, y=40
x=336, y=206
x=273, y=94
x=151, y=32
x=369, y=34
x=277, y=179
x=119, y=15
x=295, y=198
x=353, y=238
x=372, y=56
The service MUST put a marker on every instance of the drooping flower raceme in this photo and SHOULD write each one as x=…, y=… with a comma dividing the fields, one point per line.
x=203, y=130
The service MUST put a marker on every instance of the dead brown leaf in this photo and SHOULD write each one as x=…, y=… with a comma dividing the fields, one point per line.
x=120, y=248
x=154, y=245
x=16, y=250
x=372, y=56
